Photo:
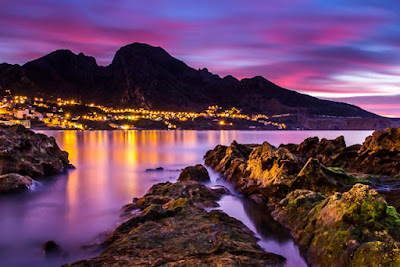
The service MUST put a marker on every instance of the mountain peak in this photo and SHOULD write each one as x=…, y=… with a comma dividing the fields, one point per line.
x=137, y=45
x=64, y=57
x=140, y=51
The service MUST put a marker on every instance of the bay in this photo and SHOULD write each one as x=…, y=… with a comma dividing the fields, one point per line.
x=73, y=208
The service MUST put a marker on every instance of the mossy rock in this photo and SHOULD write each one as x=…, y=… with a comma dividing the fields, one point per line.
x=387, y=253
x=335, y=229
x=180, y=233
x=393, y=217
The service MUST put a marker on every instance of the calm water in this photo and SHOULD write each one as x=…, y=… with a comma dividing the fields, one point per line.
x=73, y=208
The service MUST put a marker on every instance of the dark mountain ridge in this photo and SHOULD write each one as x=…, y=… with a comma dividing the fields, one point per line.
x=141, y=75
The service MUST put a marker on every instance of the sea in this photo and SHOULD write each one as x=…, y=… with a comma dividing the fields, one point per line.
x=76, y=208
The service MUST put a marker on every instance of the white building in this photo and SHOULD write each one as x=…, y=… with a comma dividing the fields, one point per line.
x=21, y=114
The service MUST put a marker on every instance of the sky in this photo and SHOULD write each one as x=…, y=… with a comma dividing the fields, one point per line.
x=344, y=50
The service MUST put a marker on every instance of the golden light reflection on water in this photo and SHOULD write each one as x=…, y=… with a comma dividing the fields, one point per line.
x=73, y=208
x=111, y=165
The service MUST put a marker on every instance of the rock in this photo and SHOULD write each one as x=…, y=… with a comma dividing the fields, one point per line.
x=164, y=192
x=221, y=190
x=307, y=147
x=230, y=161
x=128, y=209
x=14, y=183
x=158, y=169
x=196, y=173
x=382, y=140
x=392, y=197
x=315, y=177
x=344, y=158
x=213, y=157
x=340, y=230
x=263, y=171
x=329, y=147
x=178, y=232
x=273, y=169
x=27, y=153
x=258, y=198
x=292, y=210
x=326, y=151
x=336, y=220
x=380, y=153
x=51, y=248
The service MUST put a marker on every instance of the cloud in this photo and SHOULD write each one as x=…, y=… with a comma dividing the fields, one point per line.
x=384, y=105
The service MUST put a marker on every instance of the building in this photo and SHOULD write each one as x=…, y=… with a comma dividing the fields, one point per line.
x=22, y=114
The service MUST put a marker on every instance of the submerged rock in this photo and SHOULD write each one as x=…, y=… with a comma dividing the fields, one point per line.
x=172, y=229
x=158, y=169
x=51, y=249
x=14, y=183
x=196, y=173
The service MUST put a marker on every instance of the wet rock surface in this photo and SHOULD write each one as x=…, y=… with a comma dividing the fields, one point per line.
x=340, y=230
x=25, y=155
x=172, y=228
x=316, y=177
x=51, y=249
x=15, y=183
x=196, y=173
x=339, y=202
x=158, y=169
x=380, y=153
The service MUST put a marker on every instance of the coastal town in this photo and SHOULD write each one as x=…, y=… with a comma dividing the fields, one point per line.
x=40, y=113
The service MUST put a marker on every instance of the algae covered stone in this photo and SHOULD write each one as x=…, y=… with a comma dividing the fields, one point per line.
x=172, y=229
x=337, y=229
x=196, y=173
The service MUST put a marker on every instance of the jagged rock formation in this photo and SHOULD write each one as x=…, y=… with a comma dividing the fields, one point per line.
x=380, y=153
x=171, y=228
x=270, y=173
x=356, y=228
x=337, y=218
x=25, y=155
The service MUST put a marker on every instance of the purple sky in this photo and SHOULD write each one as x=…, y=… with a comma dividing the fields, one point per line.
x=347, y=50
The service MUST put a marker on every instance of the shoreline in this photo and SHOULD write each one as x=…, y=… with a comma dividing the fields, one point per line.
x=313, y=176
x=329, y=212
x=201, y=130
x=191, y=234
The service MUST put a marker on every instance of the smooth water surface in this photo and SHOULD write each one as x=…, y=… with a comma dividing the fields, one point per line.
x=73, y=208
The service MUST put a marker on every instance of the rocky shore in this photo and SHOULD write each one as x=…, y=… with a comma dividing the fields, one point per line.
x=339, y=202
x=25, y=156
x=170, y=226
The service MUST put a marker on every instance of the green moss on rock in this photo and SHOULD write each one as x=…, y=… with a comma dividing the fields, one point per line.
x=335, y=228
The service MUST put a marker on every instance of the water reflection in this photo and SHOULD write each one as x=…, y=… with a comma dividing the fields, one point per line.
x=263, y=222
x=110, y=170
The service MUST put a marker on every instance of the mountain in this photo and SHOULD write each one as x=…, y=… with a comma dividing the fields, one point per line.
x=141, y=75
